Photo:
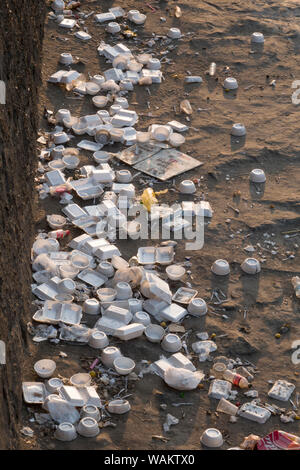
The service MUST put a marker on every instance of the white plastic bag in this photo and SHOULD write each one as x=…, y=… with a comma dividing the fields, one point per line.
x=182, y=379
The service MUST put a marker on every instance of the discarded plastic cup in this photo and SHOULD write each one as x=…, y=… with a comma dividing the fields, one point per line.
x=141, y=317
x=124, y=365
x=230, y=83
x=257, y=38
x=81, y=380
x=221, y=267
x=257, y=176
x=124, y=291
x=212, y=438
x=98, y=340
x=109, y=354
x=238, y=130
x=90, y=411
x=171, y=343
x=226, y=407
x=88, y=427
x=45, y=368
x=197, y=307
x=154, y=333
x=65, y=432
x=218, y=370
x=187, y=187
x=91, y=306
x=251, y=266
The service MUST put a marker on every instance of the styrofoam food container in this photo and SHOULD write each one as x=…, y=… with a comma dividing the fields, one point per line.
x=212, y=438
x=98, y=340
x=154, y=333
x=90, y=411
x=65, y=432
x=71, y=161
x=230, y=83
x=238, y=130
x=67, y=286
x=124, y=290
x=257, y=176
x=174, y=272
x=251, y=266
x=124, y=365
x=56, y=221
x=91, y=306
x=176, y=139
x=197, y=307
x=53, y=384
x=221, y=267
x=109, y=354
x=45, y=368
x=105, y=267
x=67, y=270
x=257, y=38
x=118, y=406
x=88, y=427
x=141, y=317
x=187, y=187
x=123, y=176
x=171, y=343
x=81, y=380
x=80, y=261
x=107, y=294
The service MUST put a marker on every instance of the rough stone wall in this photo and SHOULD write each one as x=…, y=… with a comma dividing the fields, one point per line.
x=21, y=34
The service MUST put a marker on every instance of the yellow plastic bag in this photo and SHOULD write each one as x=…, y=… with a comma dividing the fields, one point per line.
x=148, y=197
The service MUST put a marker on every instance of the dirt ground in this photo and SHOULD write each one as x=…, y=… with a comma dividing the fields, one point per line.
x=220, y=33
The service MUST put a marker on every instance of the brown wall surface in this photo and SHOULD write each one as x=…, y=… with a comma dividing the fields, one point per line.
x=21, y=34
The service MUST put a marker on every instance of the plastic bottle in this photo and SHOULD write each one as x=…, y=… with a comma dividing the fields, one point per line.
x=58, y=233
x=212, y=69
x=235, y=379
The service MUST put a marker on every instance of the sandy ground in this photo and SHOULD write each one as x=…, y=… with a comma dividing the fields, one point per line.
x=218, y=33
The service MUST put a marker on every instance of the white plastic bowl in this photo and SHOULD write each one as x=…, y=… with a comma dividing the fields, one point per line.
x=88, y=427
x=67, y=286
x=251, y=266
x=187, y=187
x=91, y=306
x=257, y=176
x=106, y=294
x=80, y=262
x=62, y=114
x=230, y=83
x=99, y=79
x=153, y=64
x=238, y=130
x=81, y=380
x=90, y=411
x=109, y=354
x=257, y=38
x=45, y=368
x=106, y=268
x=138, y=18
x=98, y=340
x=124, y=365
x=56, y=164
x=123, y=176
x=65, y=432
x=113, y=27
x=100, y=101
x=174, y=272
x=212, y=438
x=221, y=267
x=42, y=245
x=92, y=88
x=71, y=161
x=176, y=139
x=161, y=133
x=67, y=270
x=141, y=317
x=53, y=384
x=171, y=343
x=174, y=33
x=154, y=333
x=124, y=291
x=197, y=307
x=118, y=406
x=121, y=101
x=101, y=156
x=56, y=221
x=66, y=58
